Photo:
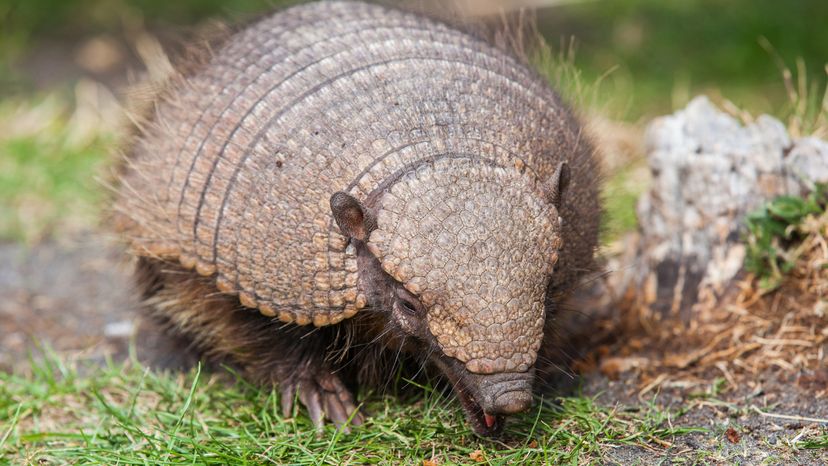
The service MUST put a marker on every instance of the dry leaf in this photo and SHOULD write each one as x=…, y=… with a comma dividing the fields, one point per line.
x=613, y=367
x=732, y=435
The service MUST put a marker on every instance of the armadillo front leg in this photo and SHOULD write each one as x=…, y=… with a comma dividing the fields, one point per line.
x=290, y=357
x=325, y=397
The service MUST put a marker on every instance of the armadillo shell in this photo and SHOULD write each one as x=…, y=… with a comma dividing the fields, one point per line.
x=234, y=175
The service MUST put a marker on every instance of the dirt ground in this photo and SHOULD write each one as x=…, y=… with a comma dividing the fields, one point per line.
x=74, y=297
x=736, y=431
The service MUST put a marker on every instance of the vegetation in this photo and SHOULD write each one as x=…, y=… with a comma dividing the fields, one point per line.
x=126, y=414
x=661, y=54
x=774, y=232
x=654, y=54
x=51, y=159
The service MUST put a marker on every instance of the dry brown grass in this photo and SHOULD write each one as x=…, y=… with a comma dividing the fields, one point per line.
x=738, y=334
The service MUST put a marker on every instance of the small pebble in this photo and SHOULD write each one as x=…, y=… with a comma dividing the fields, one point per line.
x=121, y=329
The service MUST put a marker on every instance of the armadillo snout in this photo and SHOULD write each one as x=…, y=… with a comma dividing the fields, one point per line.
x=506, y=393
x=510, y=402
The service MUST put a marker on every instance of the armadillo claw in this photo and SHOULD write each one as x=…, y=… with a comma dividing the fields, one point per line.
x=286, y=399
x=311, y=398
x=325, y=397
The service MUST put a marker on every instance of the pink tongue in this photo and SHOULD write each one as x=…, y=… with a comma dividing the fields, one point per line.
x=490, y=420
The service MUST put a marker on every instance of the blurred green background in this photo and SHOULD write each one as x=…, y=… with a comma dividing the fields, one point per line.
x=63, y=64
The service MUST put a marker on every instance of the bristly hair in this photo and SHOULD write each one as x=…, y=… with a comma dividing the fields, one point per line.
x=166, y=68
x=208, y=325
x=510, y=28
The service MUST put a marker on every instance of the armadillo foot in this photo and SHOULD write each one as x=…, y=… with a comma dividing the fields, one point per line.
x=325, y=397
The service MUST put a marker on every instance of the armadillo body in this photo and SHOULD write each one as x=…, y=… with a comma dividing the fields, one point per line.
x=234, y=177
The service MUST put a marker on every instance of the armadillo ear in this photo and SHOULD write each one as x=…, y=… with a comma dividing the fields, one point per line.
x=353, y=219
x=556, y=185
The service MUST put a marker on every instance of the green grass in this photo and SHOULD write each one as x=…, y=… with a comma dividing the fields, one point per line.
x=815, y=443
x=666, y=52
x=51, y=153
x=125, y=414
x=620, y=197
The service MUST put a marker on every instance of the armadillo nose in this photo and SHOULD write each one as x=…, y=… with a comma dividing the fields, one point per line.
x=511, y=402
x=504, y=393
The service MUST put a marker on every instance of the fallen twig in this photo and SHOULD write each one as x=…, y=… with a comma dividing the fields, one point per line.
x=789, y=416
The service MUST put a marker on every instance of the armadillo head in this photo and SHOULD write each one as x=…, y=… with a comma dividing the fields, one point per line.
x=467, y=249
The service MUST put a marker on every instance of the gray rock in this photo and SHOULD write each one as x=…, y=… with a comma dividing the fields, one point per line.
x=807, y=163
x=708, y=172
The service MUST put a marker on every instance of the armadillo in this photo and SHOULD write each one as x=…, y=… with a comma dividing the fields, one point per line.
x=343, y=188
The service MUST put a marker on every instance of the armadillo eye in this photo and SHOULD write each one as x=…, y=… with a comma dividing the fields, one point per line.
x=406, y=302
x=407, y=306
